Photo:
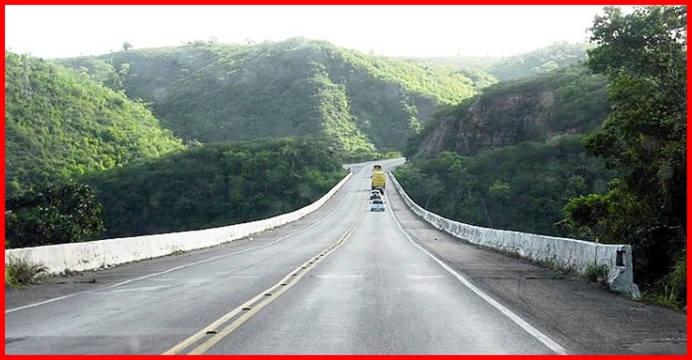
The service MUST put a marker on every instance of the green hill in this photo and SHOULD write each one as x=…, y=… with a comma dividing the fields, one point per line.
x=214, y=92
x=64, y=126
x=538, y=61
x=512, y=157
x=59, y=124
x=485, y=71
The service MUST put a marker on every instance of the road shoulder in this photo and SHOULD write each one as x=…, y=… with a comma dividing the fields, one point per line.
x=568, y=310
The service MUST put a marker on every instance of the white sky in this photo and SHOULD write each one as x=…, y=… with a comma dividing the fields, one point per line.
x=56, y=31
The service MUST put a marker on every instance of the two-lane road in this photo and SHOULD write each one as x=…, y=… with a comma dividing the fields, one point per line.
x=380, y=294
x=342, y=280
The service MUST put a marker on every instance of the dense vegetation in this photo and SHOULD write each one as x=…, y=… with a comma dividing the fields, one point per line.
x=59, y=124
x=512, y=157
x=644, y=55
x=63, y=126
x=625, y=184
x=538, y=61
x=485, y=71
x=542, y=148
x=520, y=188
x=214, y=185
x=206, y=91
x=49, y=213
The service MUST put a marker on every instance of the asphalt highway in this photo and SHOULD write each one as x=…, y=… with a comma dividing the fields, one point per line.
x=342, y=280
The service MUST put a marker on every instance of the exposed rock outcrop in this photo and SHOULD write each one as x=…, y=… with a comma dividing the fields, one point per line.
x=492, y=122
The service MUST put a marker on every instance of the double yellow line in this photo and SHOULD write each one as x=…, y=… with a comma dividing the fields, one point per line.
x=224, y=326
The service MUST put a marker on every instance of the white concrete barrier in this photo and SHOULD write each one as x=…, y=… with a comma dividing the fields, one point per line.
x=563, y=252
x=105, y=253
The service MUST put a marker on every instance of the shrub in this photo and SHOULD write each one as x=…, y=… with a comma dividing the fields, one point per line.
x=596, y=273
x=20, y=273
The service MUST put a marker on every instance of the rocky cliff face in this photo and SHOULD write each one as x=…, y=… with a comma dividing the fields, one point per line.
x=508, y=113
x=492, y=122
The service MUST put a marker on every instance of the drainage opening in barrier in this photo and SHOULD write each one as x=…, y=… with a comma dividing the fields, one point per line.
x=620, y=258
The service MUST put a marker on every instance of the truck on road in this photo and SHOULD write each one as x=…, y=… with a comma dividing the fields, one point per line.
x=378, y=178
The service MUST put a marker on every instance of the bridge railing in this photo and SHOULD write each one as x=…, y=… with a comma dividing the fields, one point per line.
x=97, y=254
x=563, y=252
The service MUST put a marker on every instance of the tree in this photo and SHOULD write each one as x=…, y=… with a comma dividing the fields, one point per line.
x=51, y=214
x=499, y=190
x=644, y=55
x=127, y=46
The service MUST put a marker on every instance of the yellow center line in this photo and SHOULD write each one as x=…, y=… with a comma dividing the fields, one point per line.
x=261, y=300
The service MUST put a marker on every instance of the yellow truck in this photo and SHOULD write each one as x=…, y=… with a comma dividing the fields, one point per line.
x=378, y=178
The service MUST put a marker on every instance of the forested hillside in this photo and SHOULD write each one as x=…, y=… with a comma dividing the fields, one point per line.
x=512, y=157
x=520, y=187
x=81, y=157
x=644, y=137
x=485, y=71
x=547, y=142
x=59, y=124
x=212, y=92
x=538, y=61
x=214, y=185
x=507, y=159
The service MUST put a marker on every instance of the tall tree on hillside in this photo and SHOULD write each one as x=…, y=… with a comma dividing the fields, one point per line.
x=644, y=54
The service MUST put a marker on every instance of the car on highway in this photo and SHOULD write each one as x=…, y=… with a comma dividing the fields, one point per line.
x=375, y=195
x=377, y=205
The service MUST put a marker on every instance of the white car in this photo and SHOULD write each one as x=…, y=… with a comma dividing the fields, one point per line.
x=377, y=205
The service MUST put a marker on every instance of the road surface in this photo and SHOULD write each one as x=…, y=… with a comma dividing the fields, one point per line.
x=342, y=280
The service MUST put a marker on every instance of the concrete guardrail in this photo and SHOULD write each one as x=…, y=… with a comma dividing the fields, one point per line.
x=106, y=253
x=563, y=252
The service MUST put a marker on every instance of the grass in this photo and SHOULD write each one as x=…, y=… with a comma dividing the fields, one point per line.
x=671, y=291
x=557, y=269
x=21, y=273
x=596, y=273
x=665, y=298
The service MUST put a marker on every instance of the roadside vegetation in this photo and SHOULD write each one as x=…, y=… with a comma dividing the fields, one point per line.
x=622, y=182
x=214, y=185
x=586, y=141
x=22, y=273
x=596, y=273
x=51, y=213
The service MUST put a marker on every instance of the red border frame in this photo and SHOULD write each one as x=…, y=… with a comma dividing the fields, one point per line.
x=323, y=2
x=337, y=2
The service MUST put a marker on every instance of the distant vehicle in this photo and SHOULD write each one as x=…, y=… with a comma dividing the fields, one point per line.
x=378, y=178
x=380, y=190
x=375, y=195
x=377, y=205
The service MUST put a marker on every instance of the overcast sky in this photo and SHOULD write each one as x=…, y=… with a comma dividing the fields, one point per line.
x=422, y=31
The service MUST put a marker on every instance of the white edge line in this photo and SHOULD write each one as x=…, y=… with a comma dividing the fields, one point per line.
x=552, y=345
x=45, y=302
